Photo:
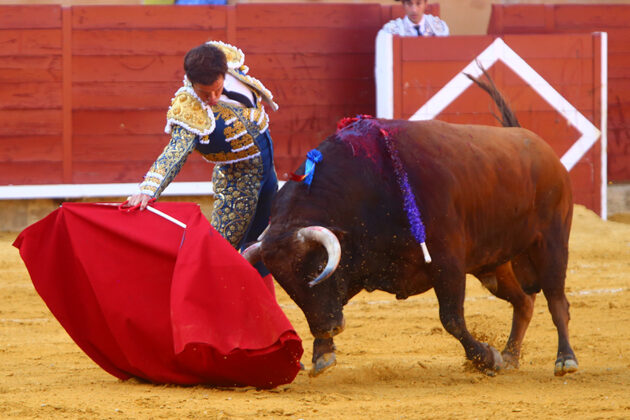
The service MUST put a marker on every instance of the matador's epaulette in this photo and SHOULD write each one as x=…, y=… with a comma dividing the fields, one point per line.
x=186, y=110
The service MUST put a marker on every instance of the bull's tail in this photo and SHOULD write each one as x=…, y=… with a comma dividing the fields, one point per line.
x=508, y=119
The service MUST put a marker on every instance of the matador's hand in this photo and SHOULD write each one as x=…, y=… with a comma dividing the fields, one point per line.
x=138, y=200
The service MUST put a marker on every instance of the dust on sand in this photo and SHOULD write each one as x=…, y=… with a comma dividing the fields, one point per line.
x=395, y=361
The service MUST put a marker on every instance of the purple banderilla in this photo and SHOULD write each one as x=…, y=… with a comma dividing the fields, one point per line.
x=409, y=199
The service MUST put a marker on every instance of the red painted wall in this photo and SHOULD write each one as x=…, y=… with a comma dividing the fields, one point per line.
x=569, y=63
x=583, y=18
x=84, y=90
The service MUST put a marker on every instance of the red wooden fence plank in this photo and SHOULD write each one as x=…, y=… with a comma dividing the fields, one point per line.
x=230, y=23
x=30, y=149
x=315, y=40
x=123, y=95
x=39, y=95
x=30, y=41
x=519, y=18
x=25, y=173
x=314, y=117
x=133, y=171
x=16, y=69
x=444, y=49
x=127, y=68
x=30, y=122
x=618, y=41
x=298, y=66
x=547, y=124
x=98, y=148
x=306, y=17
x=292, y=143
x=591, y=16
x=139, y=42
x=619, y=66
x=263, y=66
x=108, y=122
x=148, y=17
x=422, y=75
x=521, y=98
x=460, y=48
x=28, y=16
x=612, y=19
x=157, y=95
x=332, y=92
x=551, y=46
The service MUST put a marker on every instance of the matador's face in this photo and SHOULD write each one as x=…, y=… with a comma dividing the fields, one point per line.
x=209, y=94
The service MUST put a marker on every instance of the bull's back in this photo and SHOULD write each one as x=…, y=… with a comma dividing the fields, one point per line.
x=498, y=185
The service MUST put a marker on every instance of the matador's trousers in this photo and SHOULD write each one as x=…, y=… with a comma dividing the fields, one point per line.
x=243, y=194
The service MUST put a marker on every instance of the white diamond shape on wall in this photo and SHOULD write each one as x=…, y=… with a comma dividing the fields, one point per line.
x=499, y=50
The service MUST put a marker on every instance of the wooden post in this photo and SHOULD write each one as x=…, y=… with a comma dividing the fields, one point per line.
x=66, y=23
x=600, y=113
x=397, y=76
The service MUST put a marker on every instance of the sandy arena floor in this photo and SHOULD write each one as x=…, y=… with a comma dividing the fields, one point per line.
x=394, y=359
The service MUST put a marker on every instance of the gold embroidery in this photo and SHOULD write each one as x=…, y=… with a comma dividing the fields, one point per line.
x=232, y=130
x=230, y=156
x=235, y=57
x=187, y=110
x=244, y=140
x=223, y=112
x=236, y=189
x=170, y=161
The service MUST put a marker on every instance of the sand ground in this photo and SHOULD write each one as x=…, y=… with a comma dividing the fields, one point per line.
x=395, y=361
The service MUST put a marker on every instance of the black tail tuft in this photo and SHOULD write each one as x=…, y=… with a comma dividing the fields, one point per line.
x=508, y=119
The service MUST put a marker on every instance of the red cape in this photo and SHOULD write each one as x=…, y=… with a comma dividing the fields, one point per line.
x=145, y=297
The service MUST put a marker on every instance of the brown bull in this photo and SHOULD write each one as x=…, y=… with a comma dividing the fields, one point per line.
x=496, y=203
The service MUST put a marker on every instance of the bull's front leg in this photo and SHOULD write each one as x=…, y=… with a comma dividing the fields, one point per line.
x=323, y=355
x=450, y=289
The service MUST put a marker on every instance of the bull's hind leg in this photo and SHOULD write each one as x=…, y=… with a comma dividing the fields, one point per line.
x=450, y=289
x=504, y=285
x=550, y=257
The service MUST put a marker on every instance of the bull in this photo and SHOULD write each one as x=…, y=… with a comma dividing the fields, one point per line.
x=495, y=202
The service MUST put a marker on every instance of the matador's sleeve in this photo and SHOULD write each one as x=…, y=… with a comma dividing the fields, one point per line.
x=169, y=163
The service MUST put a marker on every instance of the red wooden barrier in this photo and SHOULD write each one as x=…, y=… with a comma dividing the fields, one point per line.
x=84, y=90
x=552, y=82
x=572, y=18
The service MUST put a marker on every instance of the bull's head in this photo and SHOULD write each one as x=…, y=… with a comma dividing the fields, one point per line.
x=314, y=234
x=301, y=261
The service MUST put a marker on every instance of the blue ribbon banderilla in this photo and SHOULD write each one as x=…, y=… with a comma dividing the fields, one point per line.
x=313, y=157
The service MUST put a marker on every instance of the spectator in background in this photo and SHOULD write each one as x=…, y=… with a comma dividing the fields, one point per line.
x=416, y=22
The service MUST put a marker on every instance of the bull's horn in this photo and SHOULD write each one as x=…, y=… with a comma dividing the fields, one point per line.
x=253, y=253
x=330, y=242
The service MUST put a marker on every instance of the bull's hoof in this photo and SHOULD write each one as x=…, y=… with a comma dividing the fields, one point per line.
x=323, y=363
x=564, y=366
x=497, y=362
x=510, y=360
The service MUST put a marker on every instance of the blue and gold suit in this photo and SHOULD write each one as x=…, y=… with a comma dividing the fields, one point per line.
x=236, y=139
